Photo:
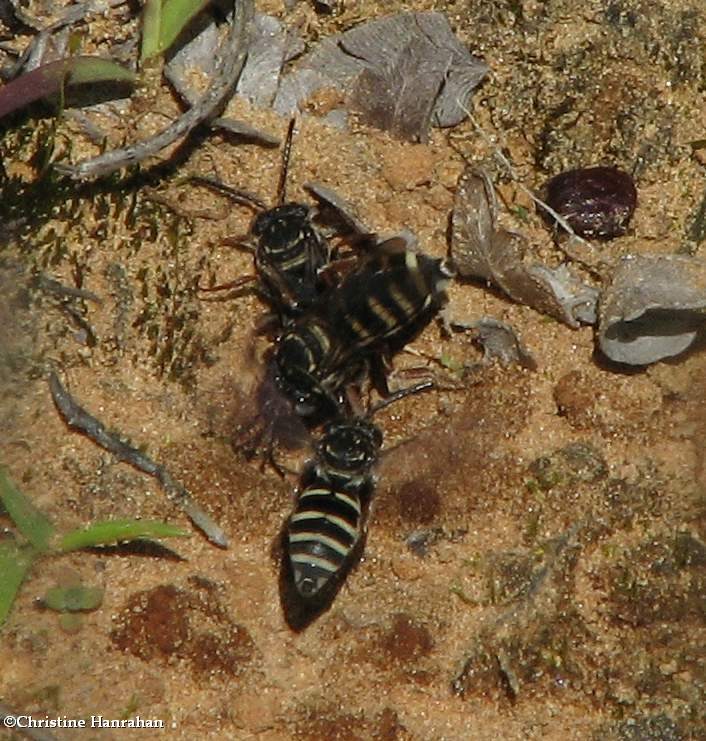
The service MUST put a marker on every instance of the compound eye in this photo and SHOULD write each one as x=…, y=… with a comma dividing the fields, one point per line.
x=262, y=221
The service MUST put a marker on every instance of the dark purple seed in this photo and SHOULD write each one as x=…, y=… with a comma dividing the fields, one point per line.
x=595, y=201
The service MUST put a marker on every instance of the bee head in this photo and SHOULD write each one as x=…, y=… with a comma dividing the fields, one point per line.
x=281, y=225
x=351, y=445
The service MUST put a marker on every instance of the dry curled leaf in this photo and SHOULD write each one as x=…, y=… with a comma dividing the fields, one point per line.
x=344, y=210
x=653, y=308
x=401, y=73
x=482, y=250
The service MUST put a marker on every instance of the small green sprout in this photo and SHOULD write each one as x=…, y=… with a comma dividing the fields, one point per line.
x=163, y=21
x=38, y=536
x=73, y=599
x=522, y=214
x=451, y=363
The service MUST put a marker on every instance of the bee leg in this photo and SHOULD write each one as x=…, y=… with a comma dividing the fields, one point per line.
x=242, y=242
x=353, y=398
x=268, y=323
x=235, y=194
x=448, y=322
x=380, y=369
x=237, y=283
x=247, y=441
x=271, y=460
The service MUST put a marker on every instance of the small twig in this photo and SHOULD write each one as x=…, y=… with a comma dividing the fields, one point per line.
x=50, y=285
x=244, y=129
x=230, y=59
x=79, y=419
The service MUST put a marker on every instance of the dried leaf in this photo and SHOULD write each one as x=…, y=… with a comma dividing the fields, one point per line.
x=266, y=54
x=260, y=76
x=473, y=224
x=345, y=211
x=481, y=250
x=196, y=55
x=402, y=73
x=654, y=308
x=400, y=98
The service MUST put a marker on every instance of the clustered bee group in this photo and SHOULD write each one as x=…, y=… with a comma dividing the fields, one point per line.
x=331, y=333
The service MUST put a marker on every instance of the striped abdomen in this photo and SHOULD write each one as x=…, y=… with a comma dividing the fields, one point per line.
x=383, y=304
x=322, y=535
x=300, y=354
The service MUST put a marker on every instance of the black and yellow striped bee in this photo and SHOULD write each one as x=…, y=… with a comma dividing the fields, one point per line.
x=289, y=256
x=289, y=251
x=374, y=311
x=325, y=533
x=326, y=527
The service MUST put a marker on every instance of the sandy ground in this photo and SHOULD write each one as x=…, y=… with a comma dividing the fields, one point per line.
x=535, y=566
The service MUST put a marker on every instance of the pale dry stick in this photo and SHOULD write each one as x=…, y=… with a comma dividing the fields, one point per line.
x=230, y=59
x=592, y=268
x=71, y=15
x=79, y=419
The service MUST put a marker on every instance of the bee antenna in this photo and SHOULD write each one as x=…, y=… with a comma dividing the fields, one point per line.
x=401, y=394
x=235, y=194
x=282, y=186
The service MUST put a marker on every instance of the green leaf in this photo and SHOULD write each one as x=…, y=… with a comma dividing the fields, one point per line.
x=15, y=562
x=118, y=531
x=73, y=599
x=29, y=520
x=163, y=21
x=151, y=21
x=49, y=79
x=96, y=69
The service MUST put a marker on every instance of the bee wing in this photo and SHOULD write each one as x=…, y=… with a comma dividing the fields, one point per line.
x=344, y=211
x=396, y=245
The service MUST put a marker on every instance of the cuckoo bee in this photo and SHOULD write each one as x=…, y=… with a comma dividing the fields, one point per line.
x=327, y=524
x=325, y=532
x=289, y=251
x=377, y=308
